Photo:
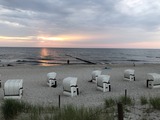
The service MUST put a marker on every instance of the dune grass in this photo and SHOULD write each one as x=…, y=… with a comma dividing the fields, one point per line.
x=125, y=100
x=121, y=99
x=19, y=110
x=11, y=108
x=73, y=113
x=143, y=100
x=155, y=102
x=109, y=102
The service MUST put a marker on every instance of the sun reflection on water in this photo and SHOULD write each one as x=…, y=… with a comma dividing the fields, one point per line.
x=45, y=58
x=44, y=52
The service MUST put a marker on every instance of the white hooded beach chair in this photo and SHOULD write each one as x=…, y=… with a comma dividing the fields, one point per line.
x=51, y=79
x=129, y=75
x=70, y=86
x=103, y=83
x=153, y=80
x=95, y=75
x=13, y=89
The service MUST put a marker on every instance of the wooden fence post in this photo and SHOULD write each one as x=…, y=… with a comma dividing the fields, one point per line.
x=125, y=96
x=59, y=101
x=120, y=111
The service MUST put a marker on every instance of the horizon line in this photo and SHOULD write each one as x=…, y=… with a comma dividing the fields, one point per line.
x=73, y=47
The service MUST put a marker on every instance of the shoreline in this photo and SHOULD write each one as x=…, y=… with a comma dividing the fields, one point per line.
x=36, y=90
x=43, y=64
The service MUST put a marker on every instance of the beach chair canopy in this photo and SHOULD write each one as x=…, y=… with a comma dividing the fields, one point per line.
x=103, y=79
x=12, y=87
x=51, y=75
x=96, y=73
x=154, y=76
x=128, y=72
x=69, y=82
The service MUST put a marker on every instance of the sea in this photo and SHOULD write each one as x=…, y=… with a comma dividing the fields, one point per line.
x=13, y=56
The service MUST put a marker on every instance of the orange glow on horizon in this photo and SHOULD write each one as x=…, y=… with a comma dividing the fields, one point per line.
x=64, y=37
x=58, y=38
x=18, y=38
x=51, y=38
x=75, y=40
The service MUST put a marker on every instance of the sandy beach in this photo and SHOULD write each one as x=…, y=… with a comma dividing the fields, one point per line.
x=36, y=90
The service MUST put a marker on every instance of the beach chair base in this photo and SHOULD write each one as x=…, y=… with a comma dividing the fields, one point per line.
x=74, y=92
x=14, y=96
x=151, y=85
x=131, y=78
x=52, y=83
x=105, y=87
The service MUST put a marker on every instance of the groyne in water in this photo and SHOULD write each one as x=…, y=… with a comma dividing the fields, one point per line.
x=87, y=61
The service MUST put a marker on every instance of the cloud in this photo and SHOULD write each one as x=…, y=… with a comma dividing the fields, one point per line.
x=98, y=18
x=138, y=7
x=88, y=15
x=140, y=13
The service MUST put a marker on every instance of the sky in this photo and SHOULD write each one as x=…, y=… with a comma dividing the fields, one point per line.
x=80, y=23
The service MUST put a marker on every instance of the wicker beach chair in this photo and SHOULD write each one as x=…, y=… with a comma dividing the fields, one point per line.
x=70, y=86
x=103, y=83
x=95, y=75
x=153, y=80
x=13, y=89
x=51, y=79
x=129, y=75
